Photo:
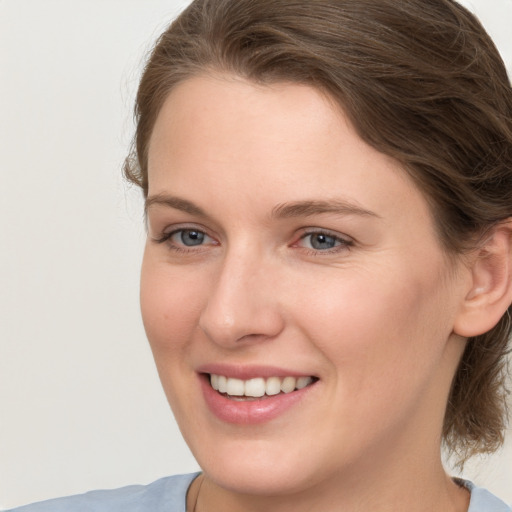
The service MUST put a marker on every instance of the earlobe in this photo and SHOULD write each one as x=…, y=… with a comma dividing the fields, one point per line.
x=490, y=293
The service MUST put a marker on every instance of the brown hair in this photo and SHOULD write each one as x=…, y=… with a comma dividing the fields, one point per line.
x=422, y=82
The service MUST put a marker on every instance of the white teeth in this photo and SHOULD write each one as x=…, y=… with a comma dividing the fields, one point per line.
x=235, y=387
x=255, y=387
x=302, y=382
x=288, y=384
x=273, y=386
x=259, y=386
x=222, y=384
x=214, y=381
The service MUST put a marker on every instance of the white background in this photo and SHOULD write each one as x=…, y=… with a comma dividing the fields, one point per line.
x=80, y=403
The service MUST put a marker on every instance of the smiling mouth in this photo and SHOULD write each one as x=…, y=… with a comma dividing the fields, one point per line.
x=259, y=387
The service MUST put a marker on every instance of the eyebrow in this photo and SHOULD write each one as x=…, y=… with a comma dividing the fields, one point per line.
x=282, y=211
x=174, y=202
x=309, y=208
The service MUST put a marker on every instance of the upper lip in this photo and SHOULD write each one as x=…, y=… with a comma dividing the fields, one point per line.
x=245, y=372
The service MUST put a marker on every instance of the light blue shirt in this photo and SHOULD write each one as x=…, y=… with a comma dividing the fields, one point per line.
x=169, y=495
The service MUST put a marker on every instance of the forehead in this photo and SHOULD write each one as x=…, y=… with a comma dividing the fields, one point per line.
x=224, y=114
x=220, y=105
x=280, y=142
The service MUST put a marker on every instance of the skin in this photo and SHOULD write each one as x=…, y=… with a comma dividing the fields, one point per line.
x=373, y=317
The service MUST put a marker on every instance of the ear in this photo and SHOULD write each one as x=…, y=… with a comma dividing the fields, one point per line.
x=490, y=291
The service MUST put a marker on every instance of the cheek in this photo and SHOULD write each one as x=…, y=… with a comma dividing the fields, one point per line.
x=379, y=330
x=170, y=304
x=384, y=343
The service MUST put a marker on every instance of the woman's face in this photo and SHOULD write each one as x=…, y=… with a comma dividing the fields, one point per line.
x=284, y=252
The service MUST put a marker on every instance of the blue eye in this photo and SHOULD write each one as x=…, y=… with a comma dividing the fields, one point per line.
x=186, y=240
x=188, y=237
x=321, y=241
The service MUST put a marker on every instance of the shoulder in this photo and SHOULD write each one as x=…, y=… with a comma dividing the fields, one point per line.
x=167, y=494
x=484, y=501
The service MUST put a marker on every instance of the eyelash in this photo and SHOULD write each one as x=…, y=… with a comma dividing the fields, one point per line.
x=166, y=237
x=342, y=243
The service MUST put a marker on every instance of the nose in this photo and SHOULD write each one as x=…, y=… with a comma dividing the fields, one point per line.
x=243, y=305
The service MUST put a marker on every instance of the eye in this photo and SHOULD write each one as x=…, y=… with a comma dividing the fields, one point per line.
x=323, y=241
x=186, y=239
x=189, y=237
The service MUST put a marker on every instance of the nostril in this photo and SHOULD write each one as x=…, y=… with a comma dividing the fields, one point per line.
x=250, y=326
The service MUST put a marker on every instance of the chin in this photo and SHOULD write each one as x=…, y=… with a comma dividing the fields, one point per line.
x=260, y=478
x=259, y=467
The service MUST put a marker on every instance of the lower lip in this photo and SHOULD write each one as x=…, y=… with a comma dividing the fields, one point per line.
x=250, y=412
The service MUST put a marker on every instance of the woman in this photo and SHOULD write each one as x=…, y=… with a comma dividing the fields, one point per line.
x=326, y=284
